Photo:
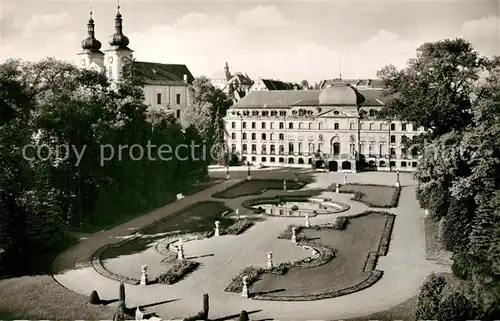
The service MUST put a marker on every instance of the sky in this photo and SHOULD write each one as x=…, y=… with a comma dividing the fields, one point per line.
x=284, y=40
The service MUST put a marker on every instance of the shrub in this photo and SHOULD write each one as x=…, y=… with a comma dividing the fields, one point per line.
x=429, y=297
x=238, y=227
x=244, y=316
x=340, y=223
x=253, y=273
x=357, y=196
x=94, y=298
x=456, y=307
x=457, y=225
x=178, y=271
x=462, y=265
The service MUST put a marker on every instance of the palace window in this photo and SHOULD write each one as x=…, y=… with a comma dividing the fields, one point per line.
x=290, y=147
x=271, y=125
x=393, y=151
x=290, y=125
x=299, y=149
x=158, y=99
x=233, y=148
x=273, y=149
x=393, y=139
x=244, y=147
x=253, y=125
x=178, y=113
x=263, y=125
x=178, y=99
x=351, y=126
x=254, y=148
x=271, y=136
x=320, y=126
x=254, y=136
x=393, y=126
x=244, y=136
x=336, y=126
x=300, y=125
x=263, y=136
x=244, y=125
x=233, y=136
x=282, y=149
x=282, y=125
x=233, y=125
x=310, y=125
x=281, y=136
x=372, y=126
x=403, y=127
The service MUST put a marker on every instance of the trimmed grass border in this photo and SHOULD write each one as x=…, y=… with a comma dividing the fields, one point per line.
x=369, y=266
x=290, y=184
x=358, y=196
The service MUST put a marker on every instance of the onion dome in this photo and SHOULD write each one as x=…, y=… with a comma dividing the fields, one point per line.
x=118, y=39
x=91, y=43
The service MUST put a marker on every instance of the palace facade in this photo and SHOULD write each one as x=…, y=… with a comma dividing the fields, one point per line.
x=335, y=128
x=166, y=85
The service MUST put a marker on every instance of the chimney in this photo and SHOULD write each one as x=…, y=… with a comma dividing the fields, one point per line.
x=185, y=78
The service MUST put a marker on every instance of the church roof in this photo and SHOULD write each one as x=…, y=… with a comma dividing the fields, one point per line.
x=272, y=84
x=163, y=74
x=290, y=98
x=358, y=83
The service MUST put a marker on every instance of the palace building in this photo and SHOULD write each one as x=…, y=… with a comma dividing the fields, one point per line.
x=166, y=85
x=335, y=128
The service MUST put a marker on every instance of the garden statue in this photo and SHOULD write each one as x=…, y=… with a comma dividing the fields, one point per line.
x=244, y=291
x=237, y=212
x=294, y=234
x=144, y=275
x=227, y=172
x=180, y=251
x=284, y=185
x=337, y=190
x=217, y=233
x=398, y=183
x=345, y=179
x=249, y=176
x=138, y=314
x=270, y=263
x=308, y=223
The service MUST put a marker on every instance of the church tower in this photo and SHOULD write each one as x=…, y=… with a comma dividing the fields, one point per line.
x=226, y=72
x=91, y=56
x=119, y=53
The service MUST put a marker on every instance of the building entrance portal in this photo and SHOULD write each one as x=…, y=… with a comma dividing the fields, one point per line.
x=332, y=166
x=320, y=164
x=346, y=165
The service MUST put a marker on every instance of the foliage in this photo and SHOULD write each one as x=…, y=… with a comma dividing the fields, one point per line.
x=340, y=223
x=462, y=265
x=456, y=307
x=94, y=298
x=457, y=225
x=178, y=271
x=429, y=297
x=238, y=227
x=434, y=90
x=55, y=104
x=243, y=316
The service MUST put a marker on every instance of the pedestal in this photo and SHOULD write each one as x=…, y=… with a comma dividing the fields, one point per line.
x=244, y=291
x=144, y=275
x=270, y=263
x=228, y=176
x=337, y=189
x=308, y=223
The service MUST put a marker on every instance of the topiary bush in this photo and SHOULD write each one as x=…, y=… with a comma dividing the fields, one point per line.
x=462, y=265
x=456, y=307
x=429, y=297
x=340, y=223
x=94, y=298
x=244, y=316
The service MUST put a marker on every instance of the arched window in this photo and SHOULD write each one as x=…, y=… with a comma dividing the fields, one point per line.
x=360, y=126
x=282, y=125
x=300, y=125
x=372, y=126
x=233, y=124
x=264, y=136
x=253, y=125
x=382, y=126
x=320, y=125
x=233, y=148
x=233, y=136
x=263, y=125
x=254, y=136
x=351, y=126
x=290, y=125
x=310, y=125
x=244, y=136
x=244, y=125
x=244, y=148
x=271, y=125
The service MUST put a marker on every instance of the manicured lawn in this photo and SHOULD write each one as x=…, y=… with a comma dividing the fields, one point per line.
x=198, y=218
x=255, y=187
x=42, y=298
x=103, y=222
x=372, y=195
x=346, y=271
x=402, y=311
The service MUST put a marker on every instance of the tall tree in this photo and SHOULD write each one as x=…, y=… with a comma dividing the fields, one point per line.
x=434, y=91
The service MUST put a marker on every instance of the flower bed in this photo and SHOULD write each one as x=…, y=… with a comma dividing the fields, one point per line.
x=178, y=271
x=256, y=186
x=377, y=196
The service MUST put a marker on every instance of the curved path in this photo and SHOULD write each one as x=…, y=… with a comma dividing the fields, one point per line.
x=405, y=267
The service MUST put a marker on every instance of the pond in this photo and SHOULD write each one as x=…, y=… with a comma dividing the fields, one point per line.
x=310, y=207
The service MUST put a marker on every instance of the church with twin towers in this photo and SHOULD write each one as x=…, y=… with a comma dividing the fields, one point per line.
x=165, y=85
